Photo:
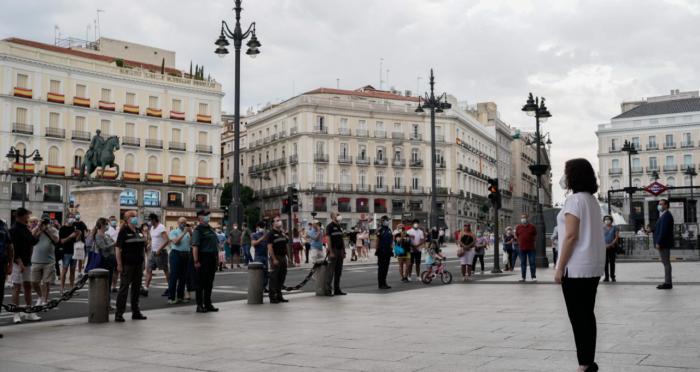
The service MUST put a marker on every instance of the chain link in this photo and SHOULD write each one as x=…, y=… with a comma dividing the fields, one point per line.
x=11, y=308
x=308, y=277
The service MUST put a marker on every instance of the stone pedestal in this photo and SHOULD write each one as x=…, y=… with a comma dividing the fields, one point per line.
x=96, y=202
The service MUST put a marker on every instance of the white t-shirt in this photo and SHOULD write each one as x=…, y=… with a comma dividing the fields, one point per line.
x=588, y=257
x=112, y=232
x=416, y=235
x=157, y=240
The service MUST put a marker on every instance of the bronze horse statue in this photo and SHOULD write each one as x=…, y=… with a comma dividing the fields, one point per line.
x=100, y=157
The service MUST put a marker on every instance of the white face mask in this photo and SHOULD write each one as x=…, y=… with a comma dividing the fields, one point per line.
x=415, y=225
x=339, y=218
x=608, y=222
x=523, y=220
x=562, y=182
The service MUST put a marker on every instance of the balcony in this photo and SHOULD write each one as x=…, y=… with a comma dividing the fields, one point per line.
x=345, y=187
x=321, y=186
x=415, y=137
x=652, y=147
x=363, y=188
x=379, y=133
x=399, y=189
x=282, y=134
x=397, y=135
x=439, y=138
x=344, y=131
x=55, y=132
x=21, y=128
x=381, y=162
x=177, y=146
x=440, y=165
x=398, y=163
x=614, y=149
x=653, y=168
x=154, y=143
x=364, y=161
x=294, y=159
x=133, y=141
x=266, y=139
x=615, y=171
x=686, y=166
x=637, y=170
x=686, y=145
x=323, y=130
x=344, y=159
x=669, y=145
x=362, y=132
x=381, y=188
x=320, y=158
x=205, y=149
x=442, y=190
x=273, y=137
x=80, y=135
x=416, y=190
x=416, y=163
x=293, y=131
x=670, y=168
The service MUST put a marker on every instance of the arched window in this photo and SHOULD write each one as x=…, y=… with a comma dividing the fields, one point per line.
x=129, y=163
x=175, y=166
x=616, y=184
x=151, y=198
x=636, y=182
x=152, y=164
x=78, y=158
x=53, y=155
x=202, y=169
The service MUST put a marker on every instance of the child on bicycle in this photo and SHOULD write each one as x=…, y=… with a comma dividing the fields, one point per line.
x=434, y=257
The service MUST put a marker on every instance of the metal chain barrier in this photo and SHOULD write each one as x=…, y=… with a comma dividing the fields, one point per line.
x=11, y=308
x=308, y=277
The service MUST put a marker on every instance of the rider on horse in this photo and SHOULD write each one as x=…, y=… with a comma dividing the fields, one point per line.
x=96, y=145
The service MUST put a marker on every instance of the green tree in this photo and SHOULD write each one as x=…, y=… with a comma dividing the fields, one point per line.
x=251, y=209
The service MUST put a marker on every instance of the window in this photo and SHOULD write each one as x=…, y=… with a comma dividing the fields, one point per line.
x=362, y=205
x=669, y=160
x=380, y=179
x=415, y=131
x=53, y=119
x=362, y=152
x=106, y=95
x=344, y=123
x=152, y=164
x=320, y=176
x=80, y=91
x=635, y=142
x=380, y=126
x=201, y=201
x=52, y=193
x=397, y=127
x=22, y=81
x=151, y=198
x=153, y=132
x=379, y=205
x=128, y=198
x=320, y=123
x=397, y=153
x=104, y=127
x=362, y=124
x=203, y=108
x=652, y=163
x=130, y=130
x=616, y=164
x=202, y=138
x=17, y=191
x=344, y=177
x=202, y=169
x=131, y=99
x=380, y=153
x=78, y=158
x=669, y=139
x=398, y=180
x=415, y=182
x=652, y=141
x=670, y=182
x=80, y=123
x=635, y=163
x=177, y=105
x=320, y=203
x=344, y=205
x=175, y=199
x=153, y=102
x=414, y=155
x=295, y=149
x=344, y=150
x=55, y=86
x=175, y=166
x=21, y=115
x=53, y=156
x=397, y=206
x=687, y=161
x=320, y=147
x=686, y=139
x=613, y=144
x=176, y=135
x=363, y=177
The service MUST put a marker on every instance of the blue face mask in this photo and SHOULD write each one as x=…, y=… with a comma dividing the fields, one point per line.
x=206, y=219
x=134, y=221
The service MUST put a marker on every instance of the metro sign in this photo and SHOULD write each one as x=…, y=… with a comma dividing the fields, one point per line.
x=656, y=188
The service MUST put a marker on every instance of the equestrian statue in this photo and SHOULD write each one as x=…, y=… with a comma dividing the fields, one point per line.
x=99, y=155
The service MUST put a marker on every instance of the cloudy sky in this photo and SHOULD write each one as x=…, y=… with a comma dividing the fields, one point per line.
x=585, y=57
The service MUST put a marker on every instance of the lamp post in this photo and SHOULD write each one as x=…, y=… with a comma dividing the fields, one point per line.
x=630, y=149
x=237, y=35
x=16, y=155
x=536, y=107
x=436, y=105
x=690, y=172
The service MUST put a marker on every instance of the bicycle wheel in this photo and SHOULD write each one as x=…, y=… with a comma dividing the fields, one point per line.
x=425, y=277
x=446, y=277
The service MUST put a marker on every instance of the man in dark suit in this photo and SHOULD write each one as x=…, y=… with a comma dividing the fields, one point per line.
x=663, y=241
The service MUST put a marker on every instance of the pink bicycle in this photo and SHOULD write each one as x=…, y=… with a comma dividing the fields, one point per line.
x=438, y=269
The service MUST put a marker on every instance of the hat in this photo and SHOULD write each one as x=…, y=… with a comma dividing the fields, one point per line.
x=203, y=212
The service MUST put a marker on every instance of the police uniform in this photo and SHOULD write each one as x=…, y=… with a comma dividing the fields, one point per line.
x=279, y=241
x=207, y=243
x=384, y=252
x=335, y=264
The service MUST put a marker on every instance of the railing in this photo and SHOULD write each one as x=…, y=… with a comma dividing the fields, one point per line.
x=416, y=163
x=22, y=128
x=344, y=159
x=344, y=131
x=669, y=145
x=321, y=186
x=362, y=161
x=614, y=149
x=398, y=162
x=154, y=143
x=637, y=170
x=613, y=171
x=416, y=190
x=321, y=158
x=378, y=133
x=439, y=138
x=652, y=169
x=399, y=189
x=686, y=166
x=323, y=130
x=685, y=145
x=670, y=168
x=80, y=135
x=362, y=132
x=293, y=159
x=133, y=141
x=440, y=165
x=381, y=162
x=415, y=137
x=442, y=190
x=346, y=187
x=293, y=130
x=382, y=188
x=363, y=188
x=266, y=140
x=282, y=134
x=207, y=149
x=273, y=138
x=651, y=147
x=179, y=146
x=397, y=135
x=55, y=132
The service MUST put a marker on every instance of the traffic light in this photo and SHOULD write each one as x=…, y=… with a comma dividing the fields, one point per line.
x=285, y=206
x=293, y=197
x=494, y=193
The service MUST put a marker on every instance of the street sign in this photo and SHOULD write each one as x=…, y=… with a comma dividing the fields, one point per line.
x=656, y=188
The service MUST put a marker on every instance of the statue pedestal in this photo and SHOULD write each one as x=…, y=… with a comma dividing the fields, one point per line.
x=97, y=201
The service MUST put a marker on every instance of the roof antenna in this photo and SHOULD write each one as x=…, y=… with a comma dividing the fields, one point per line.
x=337, y=83
x=98, y=31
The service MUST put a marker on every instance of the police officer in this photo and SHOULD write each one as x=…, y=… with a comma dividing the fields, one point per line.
x=336, y=255
x=205, y=252
x=384, y=252
x=277, y=250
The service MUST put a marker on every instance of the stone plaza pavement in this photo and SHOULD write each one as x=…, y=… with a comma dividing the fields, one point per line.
x=490, y=324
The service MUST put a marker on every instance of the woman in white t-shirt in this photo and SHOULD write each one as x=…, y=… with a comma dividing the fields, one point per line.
x=581, y=256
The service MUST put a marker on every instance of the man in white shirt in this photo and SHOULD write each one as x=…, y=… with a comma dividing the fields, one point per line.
x=158, y=258
x=417, y=239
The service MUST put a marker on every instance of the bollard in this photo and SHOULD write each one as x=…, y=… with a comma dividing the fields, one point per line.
x=98, y=296
x=255, y=282
x=320, y=275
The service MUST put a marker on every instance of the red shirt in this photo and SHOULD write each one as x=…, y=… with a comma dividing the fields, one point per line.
x=526, y=236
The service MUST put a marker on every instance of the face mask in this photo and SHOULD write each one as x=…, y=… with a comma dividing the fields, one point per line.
x=660, y=208
x=339, y=218
x=523, y=220
x=77, y=217
x=113, y=223
x=415, y=225
x=235, y=227
x=259, y=229
x=562, y=182
x=608, y=222
x=182, y=226
x=385, y=223
x=134, y=221
x=278, y=224
x=70, y=221
x=206, y=219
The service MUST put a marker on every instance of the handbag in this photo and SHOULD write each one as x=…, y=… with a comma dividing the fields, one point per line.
x=94, y=260
x=78, y=251
x=399, y=251
x=460, y=252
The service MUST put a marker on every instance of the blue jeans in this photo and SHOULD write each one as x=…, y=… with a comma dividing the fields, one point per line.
x=178, y=274
x=246, y=253
x=266, y=272
x=514, y=257
x=524, y=257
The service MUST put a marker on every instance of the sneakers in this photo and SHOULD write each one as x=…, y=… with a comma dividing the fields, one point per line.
x=201, y=309
x=211, y=308
x=521, y=280
x=173, y=302
x=408, y=279
x=534, y=280
x=33, y=317
x=17, y=318
x=138, y=316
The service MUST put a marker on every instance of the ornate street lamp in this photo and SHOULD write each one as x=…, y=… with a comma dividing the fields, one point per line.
x=15, y=155
x=630, y=149
x=237, y=35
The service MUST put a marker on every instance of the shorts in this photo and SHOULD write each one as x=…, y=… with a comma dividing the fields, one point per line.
x=68, y=260
x=404, y=259
x=18, y=277
x=236, y=250
x=158, y=262
x=43, y=273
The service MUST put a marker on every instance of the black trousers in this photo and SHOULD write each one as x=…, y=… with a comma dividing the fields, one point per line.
x=334, y=270
x=579, y=295
x=478, y=257
x=130, y=277
x=610, y=256
x=277, y=277
x=307, y=247
x=383, y=262
x=205, y=277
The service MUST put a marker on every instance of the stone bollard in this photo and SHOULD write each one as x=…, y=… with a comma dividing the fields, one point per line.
x=255, y=282
x=320, y=276
x=98, y=296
